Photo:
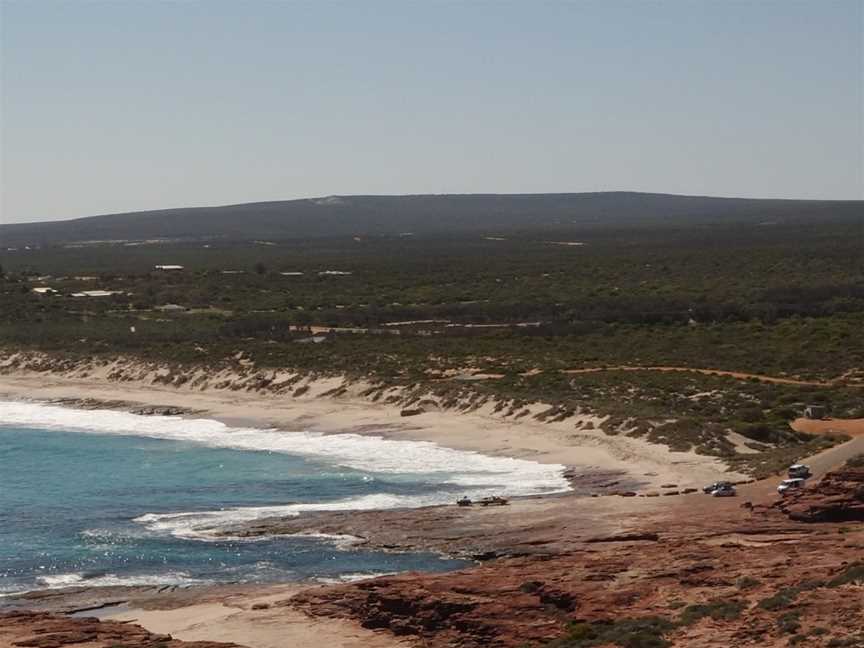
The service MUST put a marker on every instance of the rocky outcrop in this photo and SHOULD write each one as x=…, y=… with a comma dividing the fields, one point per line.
x=719, y=577
x=26, y=629
x=473, y=613
x=838, y=497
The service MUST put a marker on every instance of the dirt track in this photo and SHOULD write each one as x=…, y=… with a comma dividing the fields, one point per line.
x=840, y=380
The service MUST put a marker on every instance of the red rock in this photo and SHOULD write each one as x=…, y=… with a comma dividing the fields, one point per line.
x=838, y=497
x=27, y=629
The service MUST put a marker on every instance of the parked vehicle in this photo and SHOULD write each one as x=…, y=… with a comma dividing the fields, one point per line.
x=726, y=491
x=710, y=488
x=495, y=500
x=799, y=470
x=791, y=485
x=464, y=501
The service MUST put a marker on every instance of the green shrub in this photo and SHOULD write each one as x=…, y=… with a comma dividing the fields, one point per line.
x=717, y=610
x=856, y=462
x=855, y=641
x=782, y=599
x=854, y=573
x=789, y=623
x=647, y=632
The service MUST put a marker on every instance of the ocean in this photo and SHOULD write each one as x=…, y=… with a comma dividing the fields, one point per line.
x=104, y=497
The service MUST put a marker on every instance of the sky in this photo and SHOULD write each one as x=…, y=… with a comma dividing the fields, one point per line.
x=130, y=105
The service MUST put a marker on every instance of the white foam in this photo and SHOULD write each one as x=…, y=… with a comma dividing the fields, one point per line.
x=59, y=581
x=352, y=577
x=480, y=474
x=211, y=525
x=360, y=452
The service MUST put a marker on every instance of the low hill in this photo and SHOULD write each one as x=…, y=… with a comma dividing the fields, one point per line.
x=419, y=214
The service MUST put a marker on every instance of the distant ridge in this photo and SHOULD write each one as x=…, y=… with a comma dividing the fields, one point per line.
x=420, y=214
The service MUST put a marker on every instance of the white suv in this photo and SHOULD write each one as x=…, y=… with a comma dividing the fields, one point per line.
x=799, y=470
x=790, y=484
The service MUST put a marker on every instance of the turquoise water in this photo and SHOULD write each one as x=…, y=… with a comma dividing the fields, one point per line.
x=71, y=507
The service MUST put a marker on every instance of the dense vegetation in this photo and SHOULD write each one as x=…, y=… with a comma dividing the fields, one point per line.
x=779, y=299
x=783, y=299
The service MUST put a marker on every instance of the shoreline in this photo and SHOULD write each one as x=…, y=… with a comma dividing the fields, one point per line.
x=378, y=529
x=530, y=526
x=592, y=463
x=566, y=547
x=334, y=405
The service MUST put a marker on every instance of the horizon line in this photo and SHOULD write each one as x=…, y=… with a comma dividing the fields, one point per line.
x=443, y=194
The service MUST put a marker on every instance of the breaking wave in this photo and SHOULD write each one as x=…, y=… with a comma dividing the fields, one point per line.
x=212, y=525
x=360, y=452
x=80, y=579
x=476, y=473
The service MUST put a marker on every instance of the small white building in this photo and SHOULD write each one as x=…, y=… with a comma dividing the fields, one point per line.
x=97, y=293
x=44, y=290
x=815, y=412
x=168, y=268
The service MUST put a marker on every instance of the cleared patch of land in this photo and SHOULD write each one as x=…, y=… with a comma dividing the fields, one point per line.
x=849, y=427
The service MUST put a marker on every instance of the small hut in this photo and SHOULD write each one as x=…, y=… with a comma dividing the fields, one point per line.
x=815, y=412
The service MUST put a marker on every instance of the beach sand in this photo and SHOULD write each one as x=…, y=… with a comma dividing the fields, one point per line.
x=255, y=619
x=248, y=615
x=566, y=442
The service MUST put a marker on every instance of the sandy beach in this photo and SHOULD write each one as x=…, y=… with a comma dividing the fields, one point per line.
x=335, y=404
x=256, y=616
x=253, y=618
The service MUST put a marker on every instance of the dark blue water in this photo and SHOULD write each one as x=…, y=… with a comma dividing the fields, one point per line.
x=69, y=503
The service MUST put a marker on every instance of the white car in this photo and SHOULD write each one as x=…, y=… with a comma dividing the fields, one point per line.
x=799, y=470
x=726, y=491
x=790, y=484
x=710, y=488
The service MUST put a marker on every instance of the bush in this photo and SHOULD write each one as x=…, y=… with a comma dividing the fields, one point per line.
x=849, y=642
x=747, y=582
x=854, y=573
x=789, y=623
x=646, y=632
x=751, y=414
x=717, y=610
x=856, y=462
x=782, y=599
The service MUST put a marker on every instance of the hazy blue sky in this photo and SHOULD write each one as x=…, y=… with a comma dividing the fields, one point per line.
x=128, y=105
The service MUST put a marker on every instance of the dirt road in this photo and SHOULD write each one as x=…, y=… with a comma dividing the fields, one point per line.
x=820, y=464
x=721, y=372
